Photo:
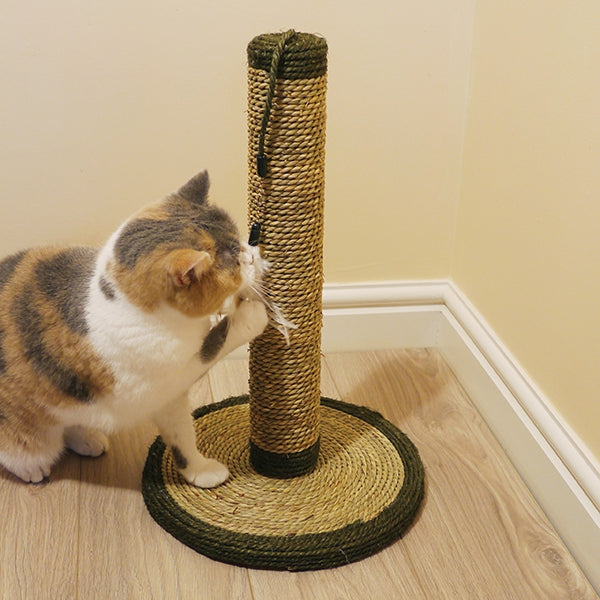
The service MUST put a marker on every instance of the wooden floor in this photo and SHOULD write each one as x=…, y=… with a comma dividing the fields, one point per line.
x=86, y=533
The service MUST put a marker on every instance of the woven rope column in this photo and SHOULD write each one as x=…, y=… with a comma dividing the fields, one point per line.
x=286, y=127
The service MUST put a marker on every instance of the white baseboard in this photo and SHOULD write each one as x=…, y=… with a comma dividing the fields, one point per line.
x=372, y=316
x=560, y=471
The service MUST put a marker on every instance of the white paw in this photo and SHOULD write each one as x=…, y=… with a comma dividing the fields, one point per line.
x=251, y=317
x=86, y=442
x=33, y=473
x=208, y=473
x=27, y=468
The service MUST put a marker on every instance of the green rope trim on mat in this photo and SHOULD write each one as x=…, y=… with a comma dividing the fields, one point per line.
x=300, y=552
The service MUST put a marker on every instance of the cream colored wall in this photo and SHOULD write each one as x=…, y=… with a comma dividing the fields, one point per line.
x=528, y=241
x=108, y=105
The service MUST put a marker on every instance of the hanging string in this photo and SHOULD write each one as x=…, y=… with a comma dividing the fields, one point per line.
x=261, y=158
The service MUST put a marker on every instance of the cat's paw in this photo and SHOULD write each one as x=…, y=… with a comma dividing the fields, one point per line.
x=29, y=469
x=86, y=442
x=32, y=473
x=208, y=473
x=251, y=318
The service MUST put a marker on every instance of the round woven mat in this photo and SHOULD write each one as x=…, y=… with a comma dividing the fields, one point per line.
x=364, y=493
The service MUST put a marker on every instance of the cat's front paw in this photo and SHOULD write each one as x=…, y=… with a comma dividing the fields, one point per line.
x=32, y=473
x=251, y=318
x=86, y=442
x=28, y=468
x=208, y=473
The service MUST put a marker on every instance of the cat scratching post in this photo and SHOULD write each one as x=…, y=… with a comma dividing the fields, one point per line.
x=286, y=155
x=322, y=482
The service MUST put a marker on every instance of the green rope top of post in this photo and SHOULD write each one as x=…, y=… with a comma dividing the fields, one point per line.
x=305, y=55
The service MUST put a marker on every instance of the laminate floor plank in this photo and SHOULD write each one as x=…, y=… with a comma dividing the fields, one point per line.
x=39, y=528
x=480, y=534
x=124, y=553
x=480, y=527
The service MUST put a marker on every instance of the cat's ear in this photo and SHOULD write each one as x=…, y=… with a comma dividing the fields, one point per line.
x=187, y=266
x=196, y=189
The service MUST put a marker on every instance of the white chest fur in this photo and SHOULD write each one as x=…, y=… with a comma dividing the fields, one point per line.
x=153, y=357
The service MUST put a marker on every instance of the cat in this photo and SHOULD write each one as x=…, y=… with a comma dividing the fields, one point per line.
x=92, y=341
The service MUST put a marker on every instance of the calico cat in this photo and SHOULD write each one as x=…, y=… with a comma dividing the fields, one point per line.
x=92, y=341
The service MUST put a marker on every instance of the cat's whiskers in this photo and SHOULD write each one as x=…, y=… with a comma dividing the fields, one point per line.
x=276, y=316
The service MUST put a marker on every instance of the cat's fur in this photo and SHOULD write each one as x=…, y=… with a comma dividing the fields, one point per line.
x=93, y=341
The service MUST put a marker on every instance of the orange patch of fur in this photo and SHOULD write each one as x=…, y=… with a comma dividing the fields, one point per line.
x=26, y=397
x=73, y=352
x=207, y=294
x=22, y=394
x=157, y=278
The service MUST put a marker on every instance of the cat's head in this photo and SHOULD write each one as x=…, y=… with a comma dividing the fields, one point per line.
x=185, y=252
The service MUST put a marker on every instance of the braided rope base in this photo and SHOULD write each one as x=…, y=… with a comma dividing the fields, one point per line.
x=364, y=493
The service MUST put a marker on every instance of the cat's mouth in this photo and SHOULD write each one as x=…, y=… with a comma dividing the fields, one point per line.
x=254, y=288
x=252, y=265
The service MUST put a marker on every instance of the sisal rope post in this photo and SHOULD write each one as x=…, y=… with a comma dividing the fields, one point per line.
x=286, y=128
